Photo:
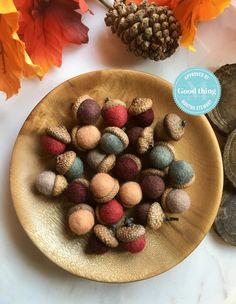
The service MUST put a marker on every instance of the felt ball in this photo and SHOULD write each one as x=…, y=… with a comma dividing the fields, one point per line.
x=50, y=184
x=76, y=170
x=127, y=167
x=152, y=186
x=110, y=143
x=141, y=213
x=134, y=246
x=110, y=212
x=86, y=137
x=77, y=191
x=134, y=134
x=52, y=146
x=88, y=112
x=81, y=219
x=181, y=174
x=145, y=119
x=115, y=113
x=103, y=187
x=176, y=201
x=95, y=246
x=161, y=156
x=70, y=165
x=130, y=194
x=99, y=161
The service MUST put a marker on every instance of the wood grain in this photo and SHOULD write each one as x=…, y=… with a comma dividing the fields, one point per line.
x=44, y=219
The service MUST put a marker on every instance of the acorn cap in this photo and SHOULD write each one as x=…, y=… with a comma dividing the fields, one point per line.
x=83, y=181
x=60, y=133
x=156, y=216
x=107, y=163
x=65, y=161
x=109, y=103
x=134, y=158
x=168, y=146
x=119, y=133
x=153, y=171
x=106, y=236
x=77, y=103
x=130, y=233
x=145, y=140
x=164, y=197
x=60, y=185
x=73, y=137
x=140, y=105
x=80, y=207
x=174, y=125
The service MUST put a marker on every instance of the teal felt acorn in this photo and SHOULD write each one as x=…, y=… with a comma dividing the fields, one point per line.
x=70, y=165
x=181, y=174
x=114, y=140
x=162, y=155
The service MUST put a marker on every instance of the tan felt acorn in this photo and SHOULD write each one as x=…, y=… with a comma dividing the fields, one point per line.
x=104, y=187
x=141, y=139
x=130, y=194
x=81, y=219
x=50, y=184
x=175, y=200
x=172, y=127
x=100, y=162
x=86, y=137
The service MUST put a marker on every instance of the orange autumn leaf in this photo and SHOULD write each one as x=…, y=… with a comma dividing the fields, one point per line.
x=47, y=26
x=189, y=13
x=82, y=5
x=14, y=62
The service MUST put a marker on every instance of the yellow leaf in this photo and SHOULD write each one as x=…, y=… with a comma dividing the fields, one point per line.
x=14, y=62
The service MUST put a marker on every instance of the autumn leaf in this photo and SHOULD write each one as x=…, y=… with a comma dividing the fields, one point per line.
x=14, y=62
x=82, y=6
x=47, y=26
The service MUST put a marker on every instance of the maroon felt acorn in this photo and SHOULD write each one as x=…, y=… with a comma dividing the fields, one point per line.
x=78, y=191
x=142, y=112
x=127, y=167
x=141, y=139
x=152, y=183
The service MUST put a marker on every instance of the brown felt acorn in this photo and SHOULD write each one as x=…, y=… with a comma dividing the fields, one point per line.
x=142, y=112
x=104, y=187
x=171, y=127
x=127, y=167
x=151, y=215
x=50, y=184
x=175, y=200
x=85, y=137
x=141, y=139
x=114, y=140
x=55, y=140
x=78, y=190
x=81, y=219
x=86, y=110
x=130, y=194
x=152, y=183
x=115, y=113
x=102, y=240
x=131, y=236
x=99, y=161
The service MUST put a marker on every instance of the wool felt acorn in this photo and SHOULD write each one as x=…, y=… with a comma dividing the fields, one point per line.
x=131, y=237
x=151, y=215
x=141, y=139
x=99, y=161
x=114, y=140
x=175, y=200
x=55, y=140
x=86, y=110
x=115, y=113
x=110, y=212
x=152, y=183
x=50, y=184
x=102, y=240
x=142, y=112
x=127, y=167
x=130, y=194
x=162, y=155
x=171, y=127
x=104, y=187
x=78, y=191
x=70, y=165
x=81, y=219
x=85, y=137
x=181, y=174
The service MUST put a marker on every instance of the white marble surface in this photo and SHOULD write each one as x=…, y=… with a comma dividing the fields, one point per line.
x=207, y=276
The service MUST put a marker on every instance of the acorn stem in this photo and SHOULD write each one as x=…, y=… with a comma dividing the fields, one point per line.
x=129, y=221
x=184, y=123
x=171, y=219
x=106, y=4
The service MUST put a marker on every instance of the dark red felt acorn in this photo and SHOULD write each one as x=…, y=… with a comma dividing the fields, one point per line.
x=55, y=140
x=141, y=139
x=142, y=112
x=115, y=113
x=127, y=167
x=78, y=190
x=110, y=212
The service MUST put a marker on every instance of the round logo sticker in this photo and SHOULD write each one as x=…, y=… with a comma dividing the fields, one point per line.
x=196, y=91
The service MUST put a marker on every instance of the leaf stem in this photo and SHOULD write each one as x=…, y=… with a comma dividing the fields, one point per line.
x=105, y=3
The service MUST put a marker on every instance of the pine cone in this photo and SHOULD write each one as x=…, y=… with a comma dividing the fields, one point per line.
x=149, y=30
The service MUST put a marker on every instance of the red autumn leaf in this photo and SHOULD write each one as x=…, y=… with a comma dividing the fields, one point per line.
x=82, y=5
x=46, y=26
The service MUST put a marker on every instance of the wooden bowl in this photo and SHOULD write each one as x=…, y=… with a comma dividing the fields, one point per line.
x=44, y=219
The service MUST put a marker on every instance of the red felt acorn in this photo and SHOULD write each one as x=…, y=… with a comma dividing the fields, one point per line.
x=110, y=212
x=55, y=140
x=115, y=113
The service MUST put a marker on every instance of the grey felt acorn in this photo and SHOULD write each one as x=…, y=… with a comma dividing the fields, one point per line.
x=175, y=200
x=70, y=165
x=162, y=155
x=181, y=174
x=100, y=162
